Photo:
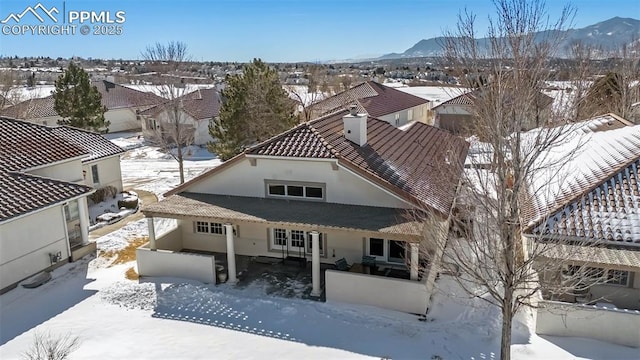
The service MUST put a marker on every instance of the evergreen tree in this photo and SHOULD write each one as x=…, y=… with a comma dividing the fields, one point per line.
x=78, y=102
x=255, y=107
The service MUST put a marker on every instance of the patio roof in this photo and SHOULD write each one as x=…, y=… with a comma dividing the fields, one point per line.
x=286, y=212
x=607, y=257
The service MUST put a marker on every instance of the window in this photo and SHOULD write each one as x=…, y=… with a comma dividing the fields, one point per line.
x=410, y=114
x=396, y=251
x=297, y=238
x=397, y=118
x=280, y=237
x=618, y=277
x=320, y=242
x=376, y=247
x=202, y=227
x=71, y=211
x=217, y=228
x=312, y=191
x=94, y=174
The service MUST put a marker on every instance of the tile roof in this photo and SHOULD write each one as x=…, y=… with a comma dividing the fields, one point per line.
x=422, y=162
x=97, y=145
x=371, y=97
x=470, y=97
x=202, y=104
x=24, y=145
x=286, y=212
x=114, y=96
x=593, y=194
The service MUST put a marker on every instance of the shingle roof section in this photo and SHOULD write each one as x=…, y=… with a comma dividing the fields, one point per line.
x=97, y=145
x=423, y=162
x=291, y=212
x=25, y=145
x=371, y=97
x=202, y=104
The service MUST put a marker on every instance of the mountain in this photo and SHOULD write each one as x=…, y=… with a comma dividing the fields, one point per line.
x=608, y=35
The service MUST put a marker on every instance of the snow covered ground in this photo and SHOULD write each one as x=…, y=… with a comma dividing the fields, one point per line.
x=165, y=318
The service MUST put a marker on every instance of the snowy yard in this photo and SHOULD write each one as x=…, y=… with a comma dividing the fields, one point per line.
x=169, y=318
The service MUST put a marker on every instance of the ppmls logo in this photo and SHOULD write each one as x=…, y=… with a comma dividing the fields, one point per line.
x=40, y=20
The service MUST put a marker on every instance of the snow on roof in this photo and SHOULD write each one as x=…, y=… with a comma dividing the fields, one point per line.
x=435, y=94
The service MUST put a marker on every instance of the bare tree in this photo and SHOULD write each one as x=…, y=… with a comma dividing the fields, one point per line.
x=49, y=347
x=172, y=129
x=505, y=165
x=316, y=90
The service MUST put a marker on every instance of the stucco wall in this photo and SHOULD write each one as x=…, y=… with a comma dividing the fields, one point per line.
x=398, y=294
x=26, y=243
x=342, y=187
x=170, y=240
x=70, y=171
x=621, y=297
x=202, y=136
x=122, y=120
x=168, y=263
x=109, y=172
x=420, y=113
x=615, y=326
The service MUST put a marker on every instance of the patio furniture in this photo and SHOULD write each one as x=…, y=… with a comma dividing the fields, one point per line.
x=357, y=268
x=342, y=265
x=369, y=262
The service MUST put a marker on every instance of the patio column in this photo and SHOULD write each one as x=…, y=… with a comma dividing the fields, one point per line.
x=414, y=261
x=231, y=254
x=152, y=234
x=83, y=211
x=315, y=263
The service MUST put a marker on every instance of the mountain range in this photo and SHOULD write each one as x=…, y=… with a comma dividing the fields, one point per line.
x=607, y=35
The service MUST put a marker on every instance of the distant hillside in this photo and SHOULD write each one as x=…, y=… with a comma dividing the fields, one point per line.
x=608, y=35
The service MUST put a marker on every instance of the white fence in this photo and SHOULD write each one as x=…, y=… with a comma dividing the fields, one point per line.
x=175, y=264
x=616, y=326
x=389, y=293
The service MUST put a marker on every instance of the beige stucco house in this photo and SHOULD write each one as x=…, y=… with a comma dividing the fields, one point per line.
x=382, y=102
x=336, y=189
x=123, y=105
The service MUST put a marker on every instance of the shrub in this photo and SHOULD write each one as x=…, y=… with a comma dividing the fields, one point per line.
x=101, y=194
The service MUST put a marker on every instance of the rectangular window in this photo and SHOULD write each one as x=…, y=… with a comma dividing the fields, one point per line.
x=71, y=211
x=320, y=242
x=618, y=277
x=410, y=114
x=279, y=237
x=276, y=190
x=296, y=190
x=376, y=247
x=396, y=251
x=217, y=228
x=94, y=174
x=293, y=190
x=202, y=227
x=297, y=238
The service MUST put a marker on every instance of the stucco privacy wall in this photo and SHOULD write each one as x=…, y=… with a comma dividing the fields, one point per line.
x=398, y=294
x=253, y=240
x=108, y=173
x=122, y=120
x=342, y=186
x=615, y=326
x=168, y=263
x=621, y=297
x=27, y=242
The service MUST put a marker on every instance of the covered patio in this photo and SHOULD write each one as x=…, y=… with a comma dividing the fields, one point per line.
x=315, y=235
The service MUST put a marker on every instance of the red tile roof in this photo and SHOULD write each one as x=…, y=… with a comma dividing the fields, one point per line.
x=371, y=97
x=97, y=145
x=422, y=162
x=31, y=109
x=25, y=145
x=202, y=104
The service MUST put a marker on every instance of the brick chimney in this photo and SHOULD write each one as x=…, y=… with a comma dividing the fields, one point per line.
x=355, y=126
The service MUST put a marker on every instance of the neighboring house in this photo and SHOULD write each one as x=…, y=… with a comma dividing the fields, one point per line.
x=44, y=219
x=123, y=105
x=4, y=102
x=102, y=167
x=197, y=108
x=456, y=115
x=338, y=189
x=594, y=213
x=379, y=101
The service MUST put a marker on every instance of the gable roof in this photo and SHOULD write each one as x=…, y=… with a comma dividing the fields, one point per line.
x=24, y=145
x=97, y=145
x=201, y=104
x=421, y=164
x=469, y=98
x=371, y=97
x=114, y=96
x=590, y=200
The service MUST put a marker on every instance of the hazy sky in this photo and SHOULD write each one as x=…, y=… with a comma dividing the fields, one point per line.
x=274, y=30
